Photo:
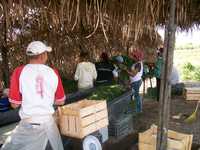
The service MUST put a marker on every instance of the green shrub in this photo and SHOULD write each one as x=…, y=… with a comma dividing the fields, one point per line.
x=197, y=74
x=70, y=86
x=190, y=72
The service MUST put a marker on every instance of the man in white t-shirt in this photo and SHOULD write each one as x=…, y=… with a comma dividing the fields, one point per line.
x=36, y=88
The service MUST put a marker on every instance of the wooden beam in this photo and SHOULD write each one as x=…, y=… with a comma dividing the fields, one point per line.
x=165, y=88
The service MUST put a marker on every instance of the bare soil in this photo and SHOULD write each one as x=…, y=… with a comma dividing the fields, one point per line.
x=149, y=116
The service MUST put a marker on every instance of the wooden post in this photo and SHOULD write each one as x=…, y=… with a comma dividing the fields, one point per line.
x=165, y=88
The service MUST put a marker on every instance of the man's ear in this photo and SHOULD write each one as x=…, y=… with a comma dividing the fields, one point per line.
x=42, y=56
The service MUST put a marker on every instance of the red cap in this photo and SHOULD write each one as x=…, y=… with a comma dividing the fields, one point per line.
x=137, y=55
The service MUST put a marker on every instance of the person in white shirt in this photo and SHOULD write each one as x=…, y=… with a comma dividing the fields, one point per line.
x=136, y=73
x=174, y=77
x=85, y=73
x=177, y=87
x=35, y=87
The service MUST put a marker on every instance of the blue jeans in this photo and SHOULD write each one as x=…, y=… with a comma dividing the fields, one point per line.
x=135, y=89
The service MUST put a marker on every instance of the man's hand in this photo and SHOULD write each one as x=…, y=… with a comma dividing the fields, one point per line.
x=14, y=106
x=59, y=103
x=132, y=72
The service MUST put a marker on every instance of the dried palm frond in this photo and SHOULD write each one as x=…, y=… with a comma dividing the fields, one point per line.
x=193, y=116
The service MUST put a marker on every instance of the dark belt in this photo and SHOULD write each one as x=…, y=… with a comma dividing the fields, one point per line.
x=35, y=124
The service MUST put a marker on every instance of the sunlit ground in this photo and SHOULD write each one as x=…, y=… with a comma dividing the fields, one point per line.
x=5, y=131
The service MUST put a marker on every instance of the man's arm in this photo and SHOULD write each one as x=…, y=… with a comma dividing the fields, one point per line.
x=60, y=93
x=134, y=70
x=15, y=97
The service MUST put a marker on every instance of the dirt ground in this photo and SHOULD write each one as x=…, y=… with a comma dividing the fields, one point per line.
x=149, y=116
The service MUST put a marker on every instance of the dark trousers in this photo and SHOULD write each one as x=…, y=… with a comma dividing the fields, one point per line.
x=158, y=88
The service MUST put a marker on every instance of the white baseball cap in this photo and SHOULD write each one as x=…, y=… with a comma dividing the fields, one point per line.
x=36, y=48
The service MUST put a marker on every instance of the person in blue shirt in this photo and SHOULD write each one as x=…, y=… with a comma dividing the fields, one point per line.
x=4, y=102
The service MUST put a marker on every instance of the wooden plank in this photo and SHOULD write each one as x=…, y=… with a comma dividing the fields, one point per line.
x=175, y=140
x=171, y=134
x=171, y=143
x=71, y=125
x=93, y=108
x=77, y=126
x=95, y=126
x=144, y=146
x=192, y=97
x=70, y=112
x=145, y=137
x=94, y=117
x=64, y=124
x=89, y=129
x=193, y=90
x=189, y=142
x=175, y=144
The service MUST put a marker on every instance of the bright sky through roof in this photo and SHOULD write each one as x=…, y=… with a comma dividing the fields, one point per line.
x=185, y=37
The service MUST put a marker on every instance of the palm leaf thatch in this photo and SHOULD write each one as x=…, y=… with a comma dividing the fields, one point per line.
x=94, y=25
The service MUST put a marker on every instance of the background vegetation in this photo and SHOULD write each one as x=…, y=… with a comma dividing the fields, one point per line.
x=187, y=62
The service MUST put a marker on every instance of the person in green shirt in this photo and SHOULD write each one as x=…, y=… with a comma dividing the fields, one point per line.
x=158, y=69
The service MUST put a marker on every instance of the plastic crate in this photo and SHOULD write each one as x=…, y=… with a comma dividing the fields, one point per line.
x=120, y=127
x=119, y=105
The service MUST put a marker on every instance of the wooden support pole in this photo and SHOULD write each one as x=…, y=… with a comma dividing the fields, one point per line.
x=165, y=88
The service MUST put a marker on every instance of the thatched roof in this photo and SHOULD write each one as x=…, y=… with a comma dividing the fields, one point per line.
x=90, y=15
x=71, y=25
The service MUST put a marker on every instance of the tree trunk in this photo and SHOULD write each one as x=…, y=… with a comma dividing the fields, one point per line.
x=165, y=88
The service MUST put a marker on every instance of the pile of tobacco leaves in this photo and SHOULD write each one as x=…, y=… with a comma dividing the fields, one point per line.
x=107, y=92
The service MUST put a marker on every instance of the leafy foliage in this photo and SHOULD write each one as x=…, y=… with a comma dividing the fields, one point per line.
x=107, y=92
x=70, y=86
x=190, y=72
